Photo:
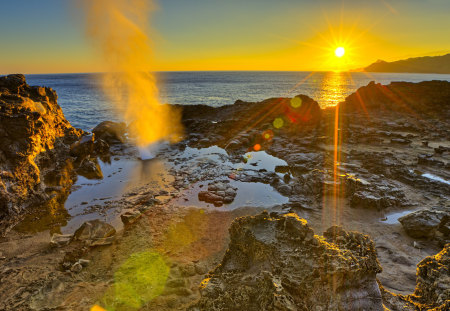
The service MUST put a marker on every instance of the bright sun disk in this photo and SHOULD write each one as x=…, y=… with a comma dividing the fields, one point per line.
x=339, y=52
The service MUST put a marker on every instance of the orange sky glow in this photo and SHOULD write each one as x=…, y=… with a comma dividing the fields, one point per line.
x=232, y=35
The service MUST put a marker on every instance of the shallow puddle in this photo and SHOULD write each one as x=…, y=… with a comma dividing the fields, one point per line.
x=392, y=218
x=436, y=178
x=430, y=176
x=254, y=160
x=262, y=160
x=89, y=198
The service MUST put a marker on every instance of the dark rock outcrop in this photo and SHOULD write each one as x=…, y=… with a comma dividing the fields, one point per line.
x=244, y=124
x=277, y=263
x=431, y=98
x=111, y=132
x=34, y=142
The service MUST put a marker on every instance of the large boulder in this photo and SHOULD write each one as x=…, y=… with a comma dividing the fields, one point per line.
x=111, y=132
x=34, y=140
x=277, y=263
x=423, y=223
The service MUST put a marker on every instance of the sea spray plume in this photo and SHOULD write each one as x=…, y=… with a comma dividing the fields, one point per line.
x=118, y=29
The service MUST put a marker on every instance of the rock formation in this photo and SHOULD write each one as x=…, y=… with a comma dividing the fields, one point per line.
x=432, y=286
x=277, y=263
x=433, y=223
x=430, y=98
x=34, y=141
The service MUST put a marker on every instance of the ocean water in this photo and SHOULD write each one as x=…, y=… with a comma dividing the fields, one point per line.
x=85, y=105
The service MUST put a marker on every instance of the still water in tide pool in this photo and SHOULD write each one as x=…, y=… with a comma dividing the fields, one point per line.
x=85, y=105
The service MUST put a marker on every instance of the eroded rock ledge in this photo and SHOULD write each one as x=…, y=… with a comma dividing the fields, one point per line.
x=277, y=263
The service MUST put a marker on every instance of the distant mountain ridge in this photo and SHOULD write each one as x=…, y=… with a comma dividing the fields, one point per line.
x=427, y=64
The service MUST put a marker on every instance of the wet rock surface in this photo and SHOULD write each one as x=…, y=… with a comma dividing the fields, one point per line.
x=218, y=193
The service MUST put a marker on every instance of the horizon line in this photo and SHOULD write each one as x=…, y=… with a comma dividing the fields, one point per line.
x=168, y=71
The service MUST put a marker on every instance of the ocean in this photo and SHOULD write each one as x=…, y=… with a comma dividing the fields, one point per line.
x=85, y=105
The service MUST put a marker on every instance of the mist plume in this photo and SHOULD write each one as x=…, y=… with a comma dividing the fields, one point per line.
x=119, y=31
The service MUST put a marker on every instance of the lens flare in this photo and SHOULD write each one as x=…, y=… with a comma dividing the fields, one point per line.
x=296, y=102
x=267, y=135
x=141, y=278
x=119, y=31
x=278, y=123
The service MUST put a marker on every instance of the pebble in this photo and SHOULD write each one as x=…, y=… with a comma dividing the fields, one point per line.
x=76, y=267
x=84, y=262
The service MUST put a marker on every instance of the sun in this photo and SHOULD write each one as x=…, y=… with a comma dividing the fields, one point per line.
x=339, y=52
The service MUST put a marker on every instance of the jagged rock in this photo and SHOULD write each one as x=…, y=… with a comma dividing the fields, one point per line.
x=366, y=199
x=34, y=140
x=101, y=146
x=111, y=132
x=95, y=232
x=277, y=263
x=433, y=280
x=432, y=290
x=425, y=159
x=424, y=223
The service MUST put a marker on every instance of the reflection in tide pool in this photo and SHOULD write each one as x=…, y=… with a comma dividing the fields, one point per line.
x=89, y=198
x=120, y=177
x=250, y=194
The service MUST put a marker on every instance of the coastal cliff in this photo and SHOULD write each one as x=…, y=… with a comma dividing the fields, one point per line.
x=34, y=146
x=427, y=64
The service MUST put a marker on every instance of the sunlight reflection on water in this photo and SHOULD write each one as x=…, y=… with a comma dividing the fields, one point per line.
x=334, y=88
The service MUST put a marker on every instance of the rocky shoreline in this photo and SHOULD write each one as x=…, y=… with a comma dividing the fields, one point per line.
x=384, y=151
